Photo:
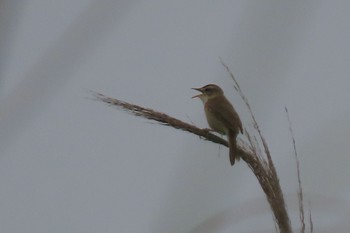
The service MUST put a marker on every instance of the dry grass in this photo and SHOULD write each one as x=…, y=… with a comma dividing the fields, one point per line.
x=263, y=167
x=300, y=188
x=255, y=152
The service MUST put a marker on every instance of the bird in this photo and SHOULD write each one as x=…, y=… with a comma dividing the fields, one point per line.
x=221, y=116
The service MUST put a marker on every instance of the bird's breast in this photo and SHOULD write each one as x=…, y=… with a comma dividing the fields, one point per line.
x=214, y=121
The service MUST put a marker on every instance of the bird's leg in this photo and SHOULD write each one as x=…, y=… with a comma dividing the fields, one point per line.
x=208, y=130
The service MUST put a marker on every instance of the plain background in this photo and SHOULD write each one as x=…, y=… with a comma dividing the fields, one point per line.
x=71, y=164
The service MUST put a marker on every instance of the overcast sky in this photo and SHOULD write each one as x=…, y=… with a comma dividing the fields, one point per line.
x=72, y=164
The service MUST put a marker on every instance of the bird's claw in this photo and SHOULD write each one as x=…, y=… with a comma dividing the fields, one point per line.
x=207, y=130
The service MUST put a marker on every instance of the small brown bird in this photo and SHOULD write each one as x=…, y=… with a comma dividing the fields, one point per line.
x=221, y=115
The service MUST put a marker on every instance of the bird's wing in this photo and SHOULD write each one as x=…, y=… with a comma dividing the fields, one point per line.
x=224, y=112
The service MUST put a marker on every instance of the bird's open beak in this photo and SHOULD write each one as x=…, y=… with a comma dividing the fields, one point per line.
x=197, y=89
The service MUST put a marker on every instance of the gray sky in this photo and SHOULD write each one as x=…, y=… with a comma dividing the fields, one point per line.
x=70, y=164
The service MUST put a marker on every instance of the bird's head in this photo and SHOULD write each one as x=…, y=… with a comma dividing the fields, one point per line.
x=208, y=92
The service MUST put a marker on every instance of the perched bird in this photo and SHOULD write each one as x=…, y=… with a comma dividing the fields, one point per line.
x=221, y=115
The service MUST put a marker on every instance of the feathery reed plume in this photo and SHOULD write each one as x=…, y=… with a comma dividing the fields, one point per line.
x=258, y=159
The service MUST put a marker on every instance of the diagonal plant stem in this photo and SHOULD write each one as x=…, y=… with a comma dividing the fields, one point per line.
x=300, y=189
x=160, y=117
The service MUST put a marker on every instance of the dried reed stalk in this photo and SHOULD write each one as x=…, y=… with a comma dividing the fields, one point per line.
x=264, y=169
x=258, y=159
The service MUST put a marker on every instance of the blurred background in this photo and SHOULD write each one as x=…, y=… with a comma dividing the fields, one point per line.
x=71, y=164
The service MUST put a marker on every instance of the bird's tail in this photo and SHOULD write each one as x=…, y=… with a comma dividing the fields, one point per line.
x=233, y=147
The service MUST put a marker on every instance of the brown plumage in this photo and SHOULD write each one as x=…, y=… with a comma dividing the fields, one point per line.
x=221, y=116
